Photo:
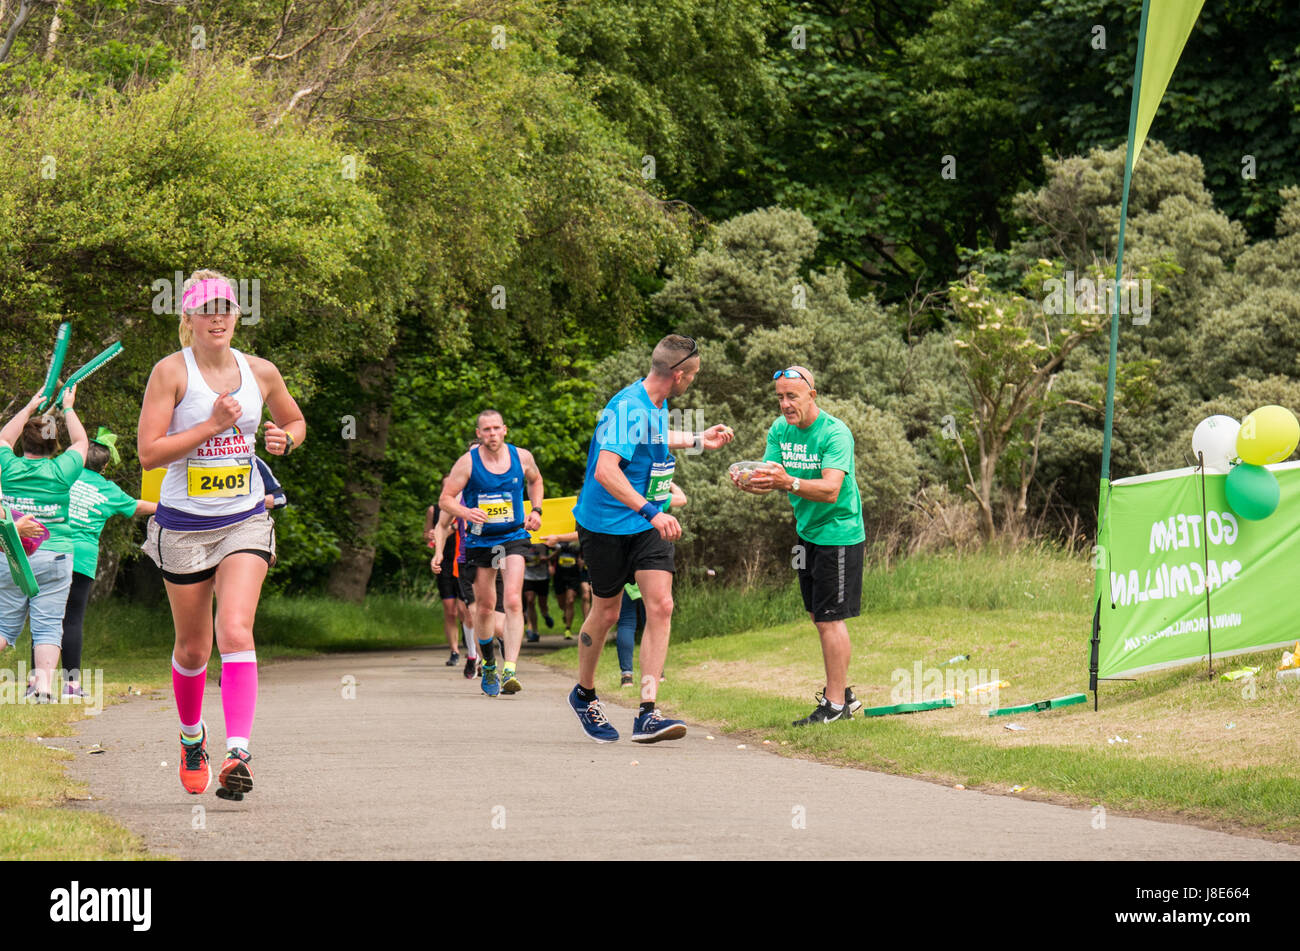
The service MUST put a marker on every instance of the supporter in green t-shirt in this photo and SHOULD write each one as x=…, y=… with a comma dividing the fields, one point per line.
x=93, y=500
x=805, y=453
x=810, y=456
x=37, y=482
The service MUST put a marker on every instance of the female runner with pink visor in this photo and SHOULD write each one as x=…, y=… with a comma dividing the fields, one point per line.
x=211, y=534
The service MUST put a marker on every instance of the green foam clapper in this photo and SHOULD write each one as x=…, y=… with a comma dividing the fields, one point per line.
x=98, y=361
x=61, y=341
x=909, y=707
x=20, y=569
x=1040, y=705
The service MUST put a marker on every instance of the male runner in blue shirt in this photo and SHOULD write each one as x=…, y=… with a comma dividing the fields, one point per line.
x=486, y=488
x=627, y=534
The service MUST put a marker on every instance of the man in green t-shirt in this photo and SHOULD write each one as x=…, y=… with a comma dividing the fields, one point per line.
x=810, y=456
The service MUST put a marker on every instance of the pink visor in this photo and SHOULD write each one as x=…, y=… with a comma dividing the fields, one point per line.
x=208, y=289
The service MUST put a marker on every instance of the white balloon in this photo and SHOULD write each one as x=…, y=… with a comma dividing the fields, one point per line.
x=1216, y=437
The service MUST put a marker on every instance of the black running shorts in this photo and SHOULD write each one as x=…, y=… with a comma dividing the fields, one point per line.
x=613, y=560
x=447, y=583
x=830, y=580
x=566, y=579
x=467, y=573
x=482, y=555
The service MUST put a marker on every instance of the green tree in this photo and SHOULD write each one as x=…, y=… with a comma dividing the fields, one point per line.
x=1010, y=350
x=104, y=201
x=688, y=82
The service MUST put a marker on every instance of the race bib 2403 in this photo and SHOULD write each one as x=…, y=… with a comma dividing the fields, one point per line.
x=219, y=482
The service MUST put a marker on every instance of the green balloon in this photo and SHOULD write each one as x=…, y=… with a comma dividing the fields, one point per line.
x=1252, y=491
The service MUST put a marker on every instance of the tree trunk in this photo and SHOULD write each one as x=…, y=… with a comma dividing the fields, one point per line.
x=105, y=575
x=20, y=18
x=52, y=35
x=988, y=468
x=363, y=490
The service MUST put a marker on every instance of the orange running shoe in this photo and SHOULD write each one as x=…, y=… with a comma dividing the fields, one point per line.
x=195, y=773
x=236, y=776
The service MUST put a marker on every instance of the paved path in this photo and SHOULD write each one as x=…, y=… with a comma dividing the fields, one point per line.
x=420, y=765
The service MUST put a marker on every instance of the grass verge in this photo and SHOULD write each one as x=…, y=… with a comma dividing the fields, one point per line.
x=1173, y=744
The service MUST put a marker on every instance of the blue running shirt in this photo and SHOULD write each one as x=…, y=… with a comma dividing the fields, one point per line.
x=501, y=496
x=637, y=430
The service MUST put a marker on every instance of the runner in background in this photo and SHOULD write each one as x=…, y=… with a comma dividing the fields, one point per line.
x=537, y=583
x=631, y=615
x=275, y=497
x=448, y=587
x=567, y=577
x=491, y=479
x=211, y=536
x=464, y=574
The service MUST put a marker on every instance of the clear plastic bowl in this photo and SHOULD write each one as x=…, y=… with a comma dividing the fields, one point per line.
x=745, y=469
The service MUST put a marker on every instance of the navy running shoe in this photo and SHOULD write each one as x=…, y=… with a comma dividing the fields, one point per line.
x=591, y=714
x=651, y=728
x=491, y=684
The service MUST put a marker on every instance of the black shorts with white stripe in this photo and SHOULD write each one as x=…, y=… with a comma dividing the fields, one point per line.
x=830, y=580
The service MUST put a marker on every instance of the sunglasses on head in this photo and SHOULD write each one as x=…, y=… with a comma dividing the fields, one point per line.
x=694, y=350
x=791, y=374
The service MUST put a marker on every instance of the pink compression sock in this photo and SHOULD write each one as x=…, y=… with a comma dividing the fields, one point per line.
x=187, y=686
x=239, y=696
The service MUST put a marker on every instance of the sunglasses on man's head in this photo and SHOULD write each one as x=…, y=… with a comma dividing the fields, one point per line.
x=694, y=350
x=791, y=375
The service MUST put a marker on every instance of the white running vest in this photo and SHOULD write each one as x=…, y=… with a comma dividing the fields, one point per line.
x=218, y=477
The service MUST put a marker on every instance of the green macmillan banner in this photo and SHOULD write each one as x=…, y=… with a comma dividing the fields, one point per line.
x=1153, y=573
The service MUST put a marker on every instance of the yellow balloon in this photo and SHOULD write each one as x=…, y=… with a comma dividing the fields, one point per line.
x=1268, y=435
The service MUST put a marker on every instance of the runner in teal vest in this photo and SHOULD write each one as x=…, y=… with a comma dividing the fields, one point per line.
x=810, y=456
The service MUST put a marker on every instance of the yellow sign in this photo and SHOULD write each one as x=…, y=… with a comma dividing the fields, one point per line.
x=557, y=516
x=151, y=484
